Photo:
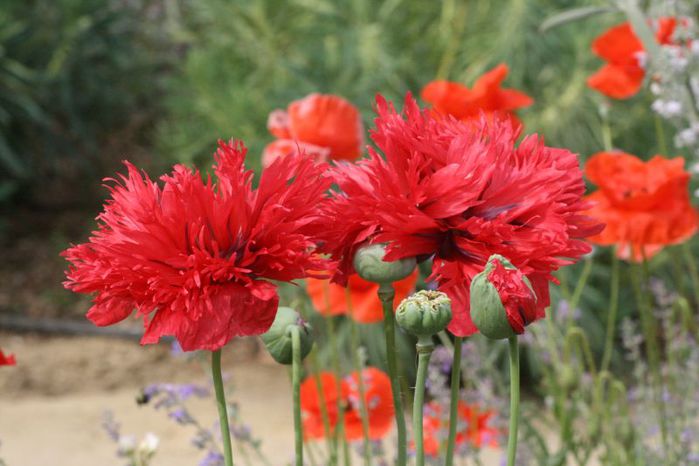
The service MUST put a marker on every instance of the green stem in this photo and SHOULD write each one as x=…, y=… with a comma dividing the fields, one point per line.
x=386, y=294
x=660, y=135
x=579, y=288
x=514, y=401
x=332, y=451
x=296, y=381
x=221, y=405
x=611, y=314
x=363, y=412
x=693, y=272
x=454, y=402
x=340, y=431
x=424, y=350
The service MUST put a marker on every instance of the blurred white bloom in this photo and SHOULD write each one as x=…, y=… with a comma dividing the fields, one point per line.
x=127, y=445
x=642, y=58
x=150, y=443
x=667, y=109
x=688, y=137
x=655, y=88
x=676, y=57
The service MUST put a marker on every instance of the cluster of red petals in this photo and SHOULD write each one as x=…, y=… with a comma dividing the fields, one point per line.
x=621, y=77
x=517, y=298
x=359, y=300
x=486, y=97
x=194, y=257
x=460, y=193
x=645, y=205
x=323, y=125
x=377, y=396
x=473, y=429
x=7, y=359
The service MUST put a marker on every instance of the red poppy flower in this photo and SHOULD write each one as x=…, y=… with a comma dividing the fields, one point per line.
x=621, y=77
x=7, y=359
x=473, y=427
x=324, y=125
x=359, y=300
x=193, y=258
x=645, y=205
x=516, y=297
x=486, y=96
x=377, y=395
x=459, y=193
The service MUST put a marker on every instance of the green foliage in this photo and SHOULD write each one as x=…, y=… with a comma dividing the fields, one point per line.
x=76, y=76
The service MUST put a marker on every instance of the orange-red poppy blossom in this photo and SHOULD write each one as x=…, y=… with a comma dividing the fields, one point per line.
x=621, y=77
x=473, y=428
x=377, y=396
x=7, y=359
x=485, y=97
x=325, y=125
x=645, y=205
x=359, y=300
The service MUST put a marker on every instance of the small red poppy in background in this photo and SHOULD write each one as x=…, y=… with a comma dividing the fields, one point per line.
x=378, y=400
x=473, y=428
x=359, y=300
x=645, y=205
x=459, y=193
x=7, y=359
x=323, y=125
x=621, y=77
x=486, y=96
x=195, y=258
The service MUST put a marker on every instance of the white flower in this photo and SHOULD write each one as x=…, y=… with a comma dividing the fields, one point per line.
x=150, y=443
x=126, y=445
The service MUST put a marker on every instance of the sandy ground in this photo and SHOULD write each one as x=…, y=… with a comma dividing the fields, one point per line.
x=52, y=403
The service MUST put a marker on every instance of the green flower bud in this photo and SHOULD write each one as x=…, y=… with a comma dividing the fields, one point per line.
x=369, y=264
x=277, y=339
x=424, y=313
x=503, y=301
x=568, y=378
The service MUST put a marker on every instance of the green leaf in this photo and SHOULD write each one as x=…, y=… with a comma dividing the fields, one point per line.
x=574, y=14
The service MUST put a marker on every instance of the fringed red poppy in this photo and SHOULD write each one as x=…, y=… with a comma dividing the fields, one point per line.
x=486, y=97
x=622, y=75
x=645, y=205
x=359, y=300
x=459, y=193
x=194, y=258
x=324, y=125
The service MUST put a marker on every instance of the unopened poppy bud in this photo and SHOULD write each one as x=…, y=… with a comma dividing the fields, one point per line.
x=568, y=378
x=503, y=301
x=278, y=337
x=369, y=264
x=424, y=313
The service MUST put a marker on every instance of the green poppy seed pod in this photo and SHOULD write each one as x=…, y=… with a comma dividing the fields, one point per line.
x=369, y=264
x=503, y=301
x=568, y=378
x=277, y=339
x=424, y=313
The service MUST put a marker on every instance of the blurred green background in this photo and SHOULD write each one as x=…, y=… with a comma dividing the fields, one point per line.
x=87, y=83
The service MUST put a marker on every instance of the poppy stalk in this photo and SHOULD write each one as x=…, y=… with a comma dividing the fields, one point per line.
x=296, y=382
x=454, y=400
x=514, y=401
x=611, y=314
x=221, y=405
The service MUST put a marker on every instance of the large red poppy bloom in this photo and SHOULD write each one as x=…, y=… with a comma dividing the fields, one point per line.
x=621, y=77
x=194, y=257
x=473, y=427
x=7, y=359
x=325, y=125
x=645, y=205
x=359, y=300
x=486, y=97
x=460, y=193
x=377, y=396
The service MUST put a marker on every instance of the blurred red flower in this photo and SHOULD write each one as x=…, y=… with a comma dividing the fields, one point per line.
x=645, y=205
x=621, y=77
x=459, y=193
x=473, y=427
x=324, y=125
x=7, y=359
x=193, y=258
x=377, y=397
x=486, y=96
x=359, y=300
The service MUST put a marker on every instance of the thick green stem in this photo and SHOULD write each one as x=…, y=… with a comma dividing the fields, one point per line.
x=693, y=272
x=611, y=314
x=424, y=350
x=296, y=382
x=332, y=450
x=221, y=405
x=454, y=401
x=363, y=411
x=514, y=401
x=386, y=295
